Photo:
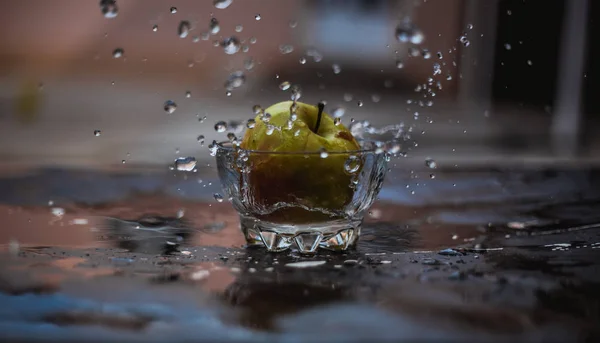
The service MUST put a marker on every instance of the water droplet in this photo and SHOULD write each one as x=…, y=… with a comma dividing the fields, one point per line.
x=470, y=26
x=375, y=98
x=426, y=54
x=302, y=60
x=200, y=140
x=97, y=133
x=184, y=28
x=185, y=164
x=218, y=197
x=188, y=94
x=173, y=10
x=221, y=126
x=228, y=93
x=257, y=109
x=337, y=121
x=432, y=176
x=336, y=68
x=222, y=4
x=231, y=136
x=231, y=45
x=352, y=165
x=109, y=8
x=239, y=28
x=170, y=106
x=155, y=28
x=529, y=62
x=270, y=129
x=507, y=46
x=201, y=119
x=430, y=163
x=285, y=85
x=214, y=26
x=251, y=123
x=399, y=64
x=235, y=80
x=463, y=39
x=338, y=112
x=360, y=103
x=347, y=97
x=406, y=32
x=266, y=117
x=324, y=153
x=257, y=17
x=394, y=147
x=249, y=63
x=286, y=49
x=118, y=53
x=296, y=93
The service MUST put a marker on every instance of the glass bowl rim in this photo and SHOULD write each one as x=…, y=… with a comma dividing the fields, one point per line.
x=221, y=146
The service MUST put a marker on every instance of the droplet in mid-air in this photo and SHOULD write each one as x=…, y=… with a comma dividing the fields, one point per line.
x=170, y=106
x=338, y=112
x=109, y=8
x=235, y=80
x=399, y=64
x=249, y=63
x=336, y=68
x=155, y=28
x=285, y=85
x=221, y=126
x=231, y=45
x=286, y=49
x=184, y=28
x=406, y=32
x=352, y=165
x=118, y=53
x=185, y=164
x=360, y=103
x=222, y=4
x=430, y=163
x=97, y=133
x=214, y=26
x=257, y=17
x=464, y=40
x=200, y=139
x=257, y=109
x=173, y=10
x=188, y=94
x=218, y=197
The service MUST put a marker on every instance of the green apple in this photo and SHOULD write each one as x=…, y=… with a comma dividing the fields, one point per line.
x=294, y=187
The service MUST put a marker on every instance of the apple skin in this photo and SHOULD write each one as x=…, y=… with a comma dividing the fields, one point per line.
x=320, y=186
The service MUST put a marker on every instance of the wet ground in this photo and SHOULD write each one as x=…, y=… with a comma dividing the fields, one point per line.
x=446, y=254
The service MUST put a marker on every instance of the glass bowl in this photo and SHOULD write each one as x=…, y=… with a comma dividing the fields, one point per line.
x=307, y=200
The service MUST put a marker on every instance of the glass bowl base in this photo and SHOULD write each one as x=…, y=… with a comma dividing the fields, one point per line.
x=337, y=235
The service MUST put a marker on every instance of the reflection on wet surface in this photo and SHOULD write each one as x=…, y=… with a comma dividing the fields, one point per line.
x=494, y=255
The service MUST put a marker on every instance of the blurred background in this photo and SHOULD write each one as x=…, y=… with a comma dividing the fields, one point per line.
x=491, y=82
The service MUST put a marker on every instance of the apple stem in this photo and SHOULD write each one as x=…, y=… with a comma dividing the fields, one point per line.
x=321, y=107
